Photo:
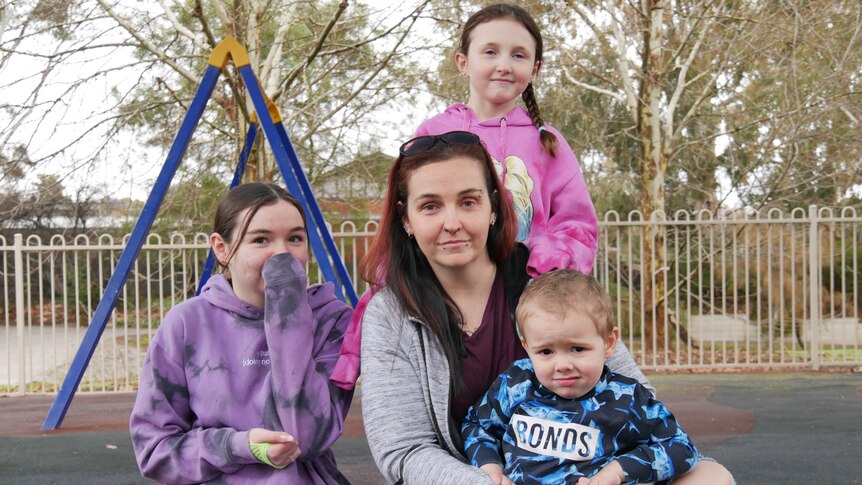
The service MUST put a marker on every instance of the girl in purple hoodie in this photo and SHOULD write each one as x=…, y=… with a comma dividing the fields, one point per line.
x=234, y=388
x=500, y=53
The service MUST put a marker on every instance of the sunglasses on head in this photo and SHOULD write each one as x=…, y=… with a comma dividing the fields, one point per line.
x=421, y=144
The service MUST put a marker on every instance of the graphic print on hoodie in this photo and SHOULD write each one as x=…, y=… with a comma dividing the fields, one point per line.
x=540, y=438
x=517, y=181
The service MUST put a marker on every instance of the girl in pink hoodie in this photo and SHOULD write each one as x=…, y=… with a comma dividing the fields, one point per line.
x=500, y=52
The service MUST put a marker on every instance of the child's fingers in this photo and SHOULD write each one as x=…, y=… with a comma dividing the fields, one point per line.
x=284, y=438
x=260, y=435
x=291, y=448
x=284, y=453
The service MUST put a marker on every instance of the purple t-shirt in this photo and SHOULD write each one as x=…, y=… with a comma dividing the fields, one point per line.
x=490, y=351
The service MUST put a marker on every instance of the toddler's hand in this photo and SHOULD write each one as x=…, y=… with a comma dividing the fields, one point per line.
x=611, y=474
x=495, y=471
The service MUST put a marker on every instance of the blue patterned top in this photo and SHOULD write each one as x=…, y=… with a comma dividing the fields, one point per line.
x=539, y=437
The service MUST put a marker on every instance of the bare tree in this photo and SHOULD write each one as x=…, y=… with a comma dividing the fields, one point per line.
x=89, y=76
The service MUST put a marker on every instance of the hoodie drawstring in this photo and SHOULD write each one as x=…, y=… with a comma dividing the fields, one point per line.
x=466, y=118
x=505, y=169
x=503, y=124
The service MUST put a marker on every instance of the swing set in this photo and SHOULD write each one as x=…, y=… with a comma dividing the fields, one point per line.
x=322, y=245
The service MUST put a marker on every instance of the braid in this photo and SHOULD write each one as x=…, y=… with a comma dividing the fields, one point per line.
x=549, y=140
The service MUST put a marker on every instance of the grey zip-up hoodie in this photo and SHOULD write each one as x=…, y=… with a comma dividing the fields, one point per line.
x=406, y=393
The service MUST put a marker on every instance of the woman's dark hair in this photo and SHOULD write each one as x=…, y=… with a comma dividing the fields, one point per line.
x=250, y=196
x=518, y=14
x=397, y=259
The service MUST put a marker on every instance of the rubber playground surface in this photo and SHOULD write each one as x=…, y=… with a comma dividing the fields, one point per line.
x=766, y=428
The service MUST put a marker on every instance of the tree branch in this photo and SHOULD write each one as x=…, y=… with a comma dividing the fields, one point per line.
x=180, y=28
x=275, y=53
x=146, y=44
x=373, y=75
x=617, y=96
x=285, y=85
x=623, y=69
x=681, y=82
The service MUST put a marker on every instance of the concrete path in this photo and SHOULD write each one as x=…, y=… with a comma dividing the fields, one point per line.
x=766, y=428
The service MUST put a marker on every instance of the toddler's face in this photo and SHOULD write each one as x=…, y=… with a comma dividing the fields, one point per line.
x=568, y=354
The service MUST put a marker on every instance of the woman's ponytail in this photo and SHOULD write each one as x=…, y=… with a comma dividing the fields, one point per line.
x=549, y=140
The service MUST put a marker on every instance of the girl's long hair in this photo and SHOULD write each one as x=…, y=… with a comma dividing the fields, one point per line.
x=395, y=260
x=506, y=10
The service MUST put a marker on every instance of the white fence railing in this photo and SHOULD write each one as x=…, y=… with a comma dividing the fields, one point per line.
x=754, y=290
x=769, y=289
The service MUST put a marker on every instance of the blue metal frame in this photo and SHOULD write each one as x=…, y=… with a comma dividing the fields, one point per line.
x=290, y=176
x=317, y=214
x=130, y=252
x=294, y=177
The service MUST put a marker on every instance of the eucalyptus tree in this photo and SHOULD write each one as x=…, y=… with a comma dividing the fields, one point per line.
x=696, y=104
x=721, y=98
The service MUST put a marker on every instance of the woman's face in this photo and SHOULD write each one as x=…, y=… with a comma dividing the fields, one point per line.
x=449, y=212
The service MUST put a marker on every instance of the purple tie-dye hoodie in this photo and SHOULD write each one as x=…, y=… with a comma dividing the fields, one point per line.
x=218, y=367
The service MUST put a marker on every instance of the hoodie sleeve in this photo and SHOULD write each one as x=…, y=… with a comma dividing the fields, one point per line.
x=167, y=448
x=486, y=423
x=346, y=370
x=665, y=450
x=568, y=237
x=304, y=331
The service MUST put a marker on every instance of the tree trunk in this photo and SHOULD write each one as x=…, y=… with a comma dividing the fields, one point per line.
x=654, y=160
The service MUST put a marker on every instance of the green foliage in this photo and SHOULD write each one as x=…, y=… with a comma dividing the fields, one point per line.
x=327, y=65
x=190, y=203
x=768, y=106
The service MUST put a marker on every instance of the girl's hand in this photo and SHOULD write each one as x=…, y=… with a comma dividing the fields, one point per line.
x=495, y=471
x=283, y=449
x=283, y=267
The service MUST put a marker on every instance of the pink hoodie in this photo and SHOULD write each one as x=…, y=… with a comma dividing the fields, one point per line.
x=556, y=218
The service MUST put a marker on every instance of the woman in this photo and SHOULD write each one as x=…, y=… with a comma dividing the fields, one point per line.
x=440, y=331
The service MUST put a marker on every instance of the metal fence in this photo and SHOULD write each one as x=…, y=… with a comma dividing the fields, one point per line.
x=743, y=289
